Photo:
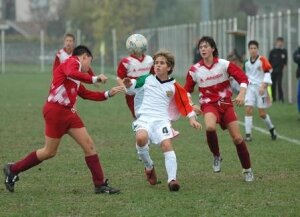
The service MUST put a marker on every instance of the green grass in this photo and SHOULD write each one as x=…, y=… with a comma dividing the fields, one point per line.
x=62, y=186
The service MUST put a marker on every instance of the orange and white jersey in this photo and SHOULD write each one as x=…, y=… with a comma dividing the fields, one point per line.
x=258, y=71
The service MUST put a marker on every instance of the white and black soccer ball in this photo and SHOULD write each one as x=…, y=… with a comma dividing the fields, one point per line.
x=136, y=44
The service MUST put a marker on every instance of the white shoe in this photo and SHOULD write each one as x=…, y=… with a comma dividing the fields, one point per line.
x=248, y=175
x=217, y=164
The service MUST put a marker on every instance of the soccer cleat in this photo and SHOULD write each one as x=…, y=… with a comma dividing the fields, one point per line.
x=10, y=178
x=151, y=176
x=248, y=175
x=248, y=138
x=217, y=164
x=273, y=133
x=105, y=188
x=173, y=185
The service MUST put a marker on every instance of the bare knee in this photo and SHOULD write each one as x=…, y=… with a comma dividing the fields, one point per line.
x=44, y=154
x=210, y=128
x=141, y=141
x=237, y=140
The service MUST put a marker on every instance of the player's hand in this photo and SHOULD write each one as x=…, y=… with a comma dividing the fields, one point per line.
x=195, y=124
x=240, y=99
x=197, y=110
x=261, y=90
x=127, y=82
x=113, y=91
x=102, y=78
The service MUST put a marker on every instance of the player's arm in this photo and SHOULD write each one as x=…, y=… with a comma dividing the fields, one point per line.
x=184, y=107
x=240, y=76
x=56, y=63
x=96, y=95
x=72, y=70
x=189, y=87
x=121, y=73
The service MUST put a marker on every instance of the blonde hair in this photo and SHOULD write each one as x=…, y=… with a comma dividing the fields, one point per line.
x=169, y=57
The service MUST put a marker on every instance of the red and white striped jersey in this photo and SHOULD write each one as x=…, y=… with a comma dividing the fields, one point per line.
x=60, y=57
x=66, y=84
x=213, y=82
x=258, y=71
x=133, y=67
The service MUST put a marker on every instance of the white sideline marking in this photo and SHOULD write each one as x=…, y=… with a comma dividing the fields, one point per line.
x=288, y=139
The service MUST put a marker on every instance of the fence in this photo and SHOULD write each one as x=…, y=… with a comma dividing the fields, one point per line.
x=179, y=39
x=266, y=28
x=182, y=39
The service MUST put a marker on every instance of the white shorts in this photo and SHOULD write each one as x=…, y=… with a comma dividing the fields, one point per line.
x=253, y=98
x=157, y=130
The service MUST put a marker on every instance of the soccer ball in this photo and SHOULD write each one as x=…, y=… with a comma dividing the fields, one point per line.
x=136, y=44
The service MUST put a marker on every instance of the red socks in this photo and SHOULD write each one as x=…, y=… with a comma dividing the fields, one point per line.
x=26, y=163
x=243, y=154
x=94, y=165
x=212, y=141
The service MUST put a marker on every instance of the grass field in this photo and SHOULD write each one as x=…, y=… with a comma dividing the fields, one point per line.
x=62, y=186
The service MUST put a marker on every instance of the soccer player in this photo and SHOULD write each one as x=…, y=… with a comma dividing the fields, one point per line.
x=258, y=70
x=278, y=60
x=211, y=75
x=65, y=52
x=61, y=118
x=157, y=95
x=133, y=66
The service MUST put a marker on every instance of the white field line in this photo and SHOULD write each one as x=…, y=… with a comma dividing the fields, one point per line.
x=261, y=130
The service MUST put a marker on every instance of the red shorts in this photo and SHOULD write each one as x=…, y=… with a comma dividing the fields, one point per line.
x=59, y=119
x=224, y=112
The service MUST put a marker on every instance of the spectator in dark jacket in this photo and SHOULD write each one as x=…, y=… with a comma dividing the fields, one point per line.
x=278, y=60
x=297, y=61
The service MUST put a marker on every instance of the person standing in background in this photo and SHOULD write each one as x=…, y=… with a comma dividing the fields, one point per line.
x=296, y=57
x=258, y=70
x=278, y=60
x=65, y=52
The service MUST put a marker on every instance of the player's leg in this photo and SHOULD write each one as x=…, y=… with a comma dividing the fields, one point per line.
x=81, y=136
x=170, y=164
x=210, y=121
x=250, y=100
x=142, y=141
x=266, y=118
x=241, y=149
x=11, y=170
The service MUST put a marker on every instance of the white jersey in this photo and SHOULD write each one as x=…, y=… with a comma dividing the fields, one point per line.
x=152, y=97
x=258, y=71
x=63, y=55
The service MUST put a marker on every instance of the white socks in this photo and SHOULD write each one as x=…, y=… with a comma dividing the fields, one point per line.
x=171, y=165
x=268, y=122
x=248, y=124
x=143, y=153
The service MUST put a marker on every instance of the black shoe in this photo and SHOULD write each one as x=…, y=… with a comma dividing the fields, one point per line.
x=273, y=133
x=105, y=188
x=248, y=138
x=10, y=178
